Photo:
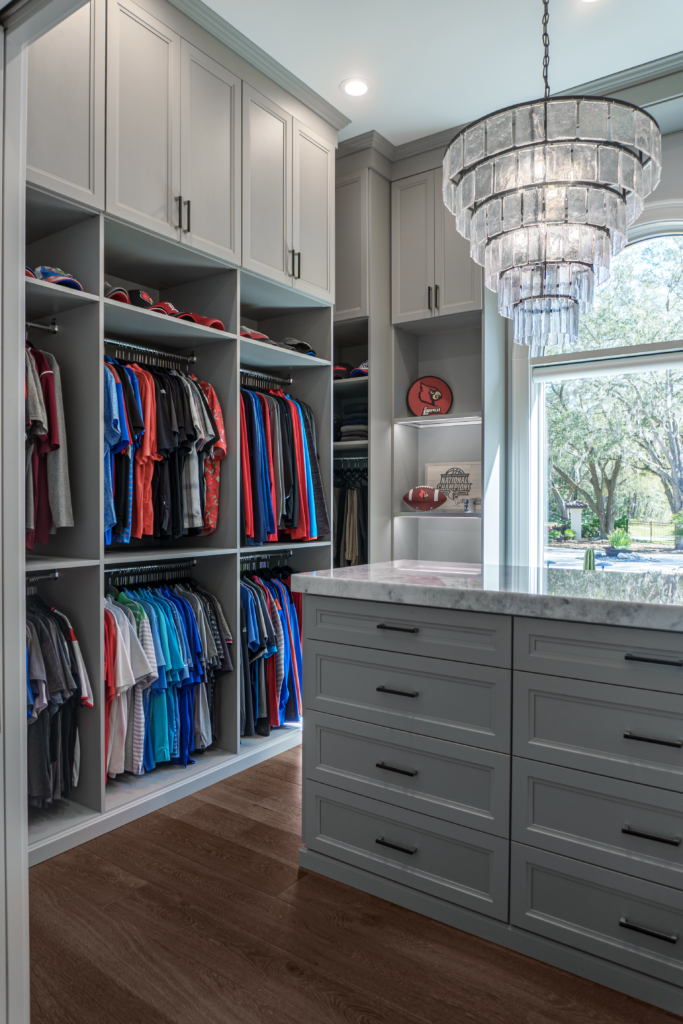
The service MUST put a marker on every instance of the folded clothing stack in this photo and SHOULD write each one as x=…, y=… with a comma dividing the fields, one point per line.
x=354, y=424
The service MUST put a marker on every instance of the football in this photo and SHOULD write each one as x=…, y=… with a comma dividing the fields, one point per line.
x=424, y=499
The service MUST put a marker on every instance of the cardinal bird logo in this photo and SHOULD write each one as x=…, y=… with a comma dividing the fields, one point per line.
x=430, y=396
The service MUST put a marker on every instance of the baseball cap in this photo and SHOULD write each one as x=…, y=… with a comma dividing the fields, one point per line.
x=56, y=276
x=114, y=292
x=342, y=371
x=360, y=371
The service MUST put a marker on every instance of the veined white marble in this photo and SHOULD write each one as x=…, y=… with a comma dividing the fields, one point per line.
x=645, y=600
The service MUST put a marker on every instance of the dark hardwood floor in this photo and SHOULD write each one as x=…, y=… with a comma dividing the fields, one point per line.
x=199, y=914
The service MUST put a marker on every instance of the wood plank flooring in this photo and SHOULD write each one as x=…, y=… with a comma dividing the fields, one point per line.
x=199, y=914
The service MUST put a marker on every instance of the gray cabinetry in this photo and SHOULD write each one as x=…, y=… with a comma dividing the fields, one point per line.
x=432, y=272
x=312, y=211
x=352, y=244
x=65, y=139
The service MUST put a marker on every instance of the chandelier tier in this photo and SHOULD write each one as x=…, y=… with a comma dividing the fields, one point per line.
x=545, y=192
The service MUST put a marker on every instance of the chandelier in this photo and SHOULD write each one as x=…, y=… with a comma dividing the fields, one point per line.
x=545, y=192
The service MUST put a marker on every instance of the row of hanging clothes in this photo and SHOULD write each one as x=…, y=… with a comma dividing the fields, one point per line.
x=164, y=440
x=47, y=488
x=350, y=542
x=57, y=685
x=166, y=641
x=270, y=631
x=282, y=490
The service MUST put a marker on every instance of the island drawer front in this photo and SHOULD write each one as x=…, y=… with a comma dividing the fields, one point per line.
x=445, y=699
x=461, y=784
x=581, y=815
x=457, y=864
x=603, y=654
x=618, y=731
x=409, y=629
x=582, y=906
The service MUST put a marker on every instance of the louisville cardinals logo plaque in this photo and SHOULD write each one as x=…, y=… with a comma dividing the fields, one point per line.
x=429, y=396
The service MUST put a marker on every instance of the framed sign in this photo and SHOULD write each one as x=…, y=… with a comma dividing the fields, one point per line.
x=459, y=481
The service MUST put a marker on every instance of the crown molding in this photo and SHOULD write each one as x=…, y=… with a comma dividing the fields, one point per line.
x=627, y=79
x=440, y=140
x=368, y=140
x=258, y=58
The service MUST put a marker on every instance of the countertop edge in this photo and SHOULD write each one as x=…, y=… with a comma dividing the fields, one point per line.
x=635, y=614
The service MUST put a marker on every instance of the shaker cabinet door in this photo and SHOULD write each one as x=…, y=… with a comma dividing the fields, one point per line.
x=457, y=278
x=266, y=187
x=143, y=119
x=65, y=140
x=351, y=242
x=210, y=155
x=412, y=248
x=313, y=212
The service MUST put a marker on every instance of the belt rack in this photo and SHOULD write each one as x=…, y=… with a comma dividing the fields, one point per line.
x=350, y=463
x=33, y=579
x=145, y=356
x=132, y=575
x=263, y=381
x=261, y=561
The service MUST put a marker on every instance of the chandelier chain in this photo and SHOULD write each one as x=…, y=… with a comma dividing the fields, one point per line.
x=546, y=47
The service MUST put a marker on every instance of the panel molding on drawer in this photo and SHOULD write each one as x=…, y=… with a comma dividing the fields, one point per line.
x=439, y=633
x=450, y=781
x=584, y=651
x=581, y=815
x=456, y=864
x=581, y=906
x=583, y=725
x=448, y=700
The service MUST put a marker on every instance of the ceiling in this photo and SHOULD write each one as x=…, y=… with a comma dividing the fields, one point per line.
x=440, y=63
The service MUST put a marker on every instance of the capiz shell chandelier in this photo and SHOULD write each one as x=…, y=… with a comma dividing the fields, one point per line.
x=545, y=192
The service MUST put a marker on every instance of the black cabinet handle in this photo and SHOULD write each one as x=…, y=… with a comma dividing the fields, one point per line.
x=653, y=661
x=292, y=253
x=398, y=629
x=664, y=936
x=653, y=739
x=429, y=296
x=179, y=201
x=187, y=204
x=403, y=849
x=399, y=771
x=399, y=693
x=669, y=840
x=298, y=266
x=436, y=296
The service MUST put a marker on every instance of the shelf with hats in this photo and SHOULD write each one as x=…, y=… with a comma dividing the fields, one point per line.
x=44, y=299
x=259, y=355
x=125, y=322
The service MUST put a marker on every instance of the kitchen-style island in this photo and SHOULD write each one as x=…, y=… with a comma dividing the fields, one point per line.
x=501, y=748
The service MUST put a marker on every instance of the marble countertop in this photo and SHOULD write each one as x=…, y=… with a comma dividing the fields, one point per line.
x=646, y=600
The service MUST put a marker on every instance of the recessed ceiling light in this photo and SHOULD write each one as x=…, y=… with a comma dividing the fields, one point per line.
x=589, y=1
x=354, y=86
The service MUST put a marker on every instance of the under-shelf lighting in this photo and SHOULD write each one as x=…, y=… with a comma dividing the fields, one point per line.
x=460, y=421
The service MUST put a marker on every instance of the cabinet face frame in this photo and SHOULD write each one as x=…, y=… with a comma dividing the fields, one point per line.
x=463, y=264
x=352, y=263
x=91, y=194
x=251, y=99
x=165, y=225
x=399, y=243
x=230, y=247
x=302, y=135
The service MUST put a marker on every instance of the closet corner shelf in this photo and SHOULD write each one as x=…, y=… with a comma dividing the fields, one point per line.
x=259, y=355
x=348, y=445
x=129, y=323
x=472, y=420
x=36, y=563
x=289, y=545
x=128, y=556
x=351, y=387
x=44, y=299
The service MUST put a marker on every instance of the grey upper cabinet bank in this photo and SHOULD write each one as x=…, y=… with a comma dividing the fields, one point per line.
x=431, y=271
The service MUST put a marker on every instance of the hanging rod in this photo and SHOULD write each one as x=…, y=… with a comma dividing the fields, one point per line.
x=51, y=328
x=34, y=578
x=125, y=346
x=255, y=379
x=151, y=567
x=360, y=462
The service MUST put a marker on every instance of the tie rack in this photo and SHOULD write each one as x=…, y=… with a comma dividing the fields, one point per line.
x=33, y=580
x=131, y=575
x=263, y=381
x=146, y=356
x=346, y=463
x=260, y=561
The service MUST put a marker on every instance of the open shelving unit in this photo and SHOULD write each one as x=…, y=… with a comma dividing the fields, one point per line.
x=95, y=247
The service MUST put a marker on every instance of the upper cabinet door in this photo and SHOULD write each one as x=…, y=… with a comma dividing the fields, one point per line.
x=65, y=140
x=457, y=278
x=351, y=242
x=266, y=187
x=313, y=212
x=210, y=155
x=143, y=119
x=412, y=248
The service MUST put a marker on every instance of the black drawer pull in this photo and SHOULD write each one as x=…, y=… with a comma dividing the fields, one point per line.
x=399, y=693
x=653, y=739
x=398, y=629
x=653, y=661
x=399, y=771
x=392, y=846
x=669, y=840
x=664, y=936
